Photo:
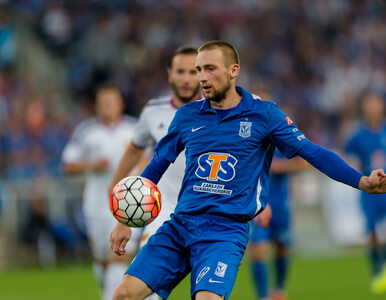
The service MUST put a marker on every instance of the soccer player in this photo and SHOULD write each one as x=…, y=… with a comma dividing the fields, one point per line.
x=229, y=139
x=278, y=231
x=368, y=144
x=152, y=126
x=94, y=149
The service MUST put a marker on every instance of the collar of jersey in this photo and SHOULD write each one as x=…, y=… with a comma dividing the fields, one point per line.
x=244, y=105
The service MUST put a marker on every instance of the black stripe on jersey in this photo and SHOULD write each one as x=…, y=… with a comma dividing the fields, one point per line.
x=159, y=101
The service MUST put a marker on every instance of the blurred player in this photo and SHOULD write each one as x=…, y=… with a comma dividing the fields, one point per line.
x=229, y=138
x=278, y=232
x=95, y=149
x=369, y=145
x=152, y=126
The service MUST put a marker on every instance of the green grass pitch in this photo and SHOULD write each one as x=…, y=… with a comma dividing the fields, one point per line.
x=323, y=278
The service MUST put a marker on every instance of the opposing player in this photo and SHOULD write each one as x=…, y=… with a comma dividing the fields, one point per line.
x=368, y=144
x=278, y=232
x=94, y=149
x=229, y=139
x=152, y=126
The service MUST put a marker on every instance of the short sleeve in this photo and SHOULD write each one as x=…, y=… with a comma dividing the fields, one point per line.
x=142, y=136
x=284, y=134
x=171, y=145
x=75, y=150
x=351, y=146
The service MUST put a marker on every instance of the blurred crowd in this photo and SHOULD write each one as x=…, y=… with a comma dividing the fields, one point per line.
x=314, y=58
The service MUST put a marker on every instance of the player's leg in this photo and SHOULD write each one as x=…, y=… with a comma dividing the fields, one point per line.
x=151, y=229
x=108, y=267
x=117, y=265
x=281, y=234
x=258, y=249
x=206, y=295
x=161, y=264
x=378, y=248
x=131, y=288
x=216, y=251
x=281, y=270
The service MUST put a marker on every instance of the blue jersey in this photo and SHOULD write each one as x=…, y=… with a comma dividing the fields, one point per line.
x=228, y=159
x=370, y=148
x=278, y=189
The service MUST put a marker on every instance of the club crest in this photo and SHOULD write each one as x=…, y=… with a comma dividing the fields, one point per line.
x=245, y=129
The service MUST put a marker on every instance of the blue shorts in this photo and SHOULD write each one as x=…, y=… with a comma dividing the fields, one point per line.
x=374, y=209
x=279, y=230
x=211, y=248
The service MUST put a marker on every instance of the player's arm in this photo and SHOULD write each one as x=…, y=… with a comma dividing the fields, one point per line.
x=129, y=160
x=99, y=165
x=121, y=233
x=333, y=166
x=284, y=165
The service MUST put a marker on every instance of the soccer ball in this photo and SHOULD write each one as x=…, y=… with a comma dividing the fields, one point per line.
x=135, y=201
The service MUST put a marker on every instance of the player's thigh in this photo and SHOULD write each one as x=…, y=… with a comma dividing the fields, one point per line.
x=259, y=234
x=215, y=266
x=206, y=295
x=98, y=233
x=259, y=251
x=99, y=228
x=152, y=228
x=163, y=262
x=133, y=288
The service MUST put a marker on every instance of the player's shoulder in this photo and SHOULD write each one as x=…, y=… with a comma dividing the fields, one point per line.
x=84, y=128
x=158, y=102
x=86, y=125
x=191, y=106
x=129, y=120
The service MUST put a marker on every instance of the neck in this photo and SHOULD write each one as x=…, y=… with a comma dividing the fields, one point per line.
x=374, y=124
x=178, y=102
x=109, y=121
x=231, y=99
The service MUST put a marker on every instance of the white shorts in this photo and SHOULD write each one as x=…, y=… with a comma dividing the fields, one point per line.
x=98, y=231
x=152, y=228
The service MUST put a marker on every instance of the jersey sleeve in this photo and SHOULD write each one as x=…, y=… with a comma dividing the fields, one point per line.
x=171, y=145
x=142, y=136
x=351, y=146
x=75, y=150
x=284, y=134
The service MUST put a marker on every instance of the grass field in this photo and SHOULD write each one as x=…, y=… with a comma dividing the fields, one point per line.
x=323, y=278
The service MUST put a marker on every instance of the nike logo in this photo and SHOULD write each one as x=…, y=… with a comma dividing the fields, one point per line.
x=215, y=281
x=198, y=128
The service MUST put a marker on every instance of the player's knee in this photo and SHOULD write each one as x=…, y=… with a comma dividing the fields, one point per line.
x=131, y=288
x=124, y=292
x=207, y=295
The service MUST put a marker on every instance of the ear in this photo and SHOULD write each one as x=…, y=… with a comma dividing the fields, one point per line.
x=234, y=70
x=169, y=70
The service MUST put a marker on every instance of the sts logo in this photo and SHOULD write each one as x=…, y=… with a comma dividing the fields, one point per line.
x=214, y=166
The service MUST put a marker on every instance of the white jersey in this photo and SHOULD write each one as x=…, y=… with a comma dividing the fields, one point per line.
x=152, y=126
x=93, y=140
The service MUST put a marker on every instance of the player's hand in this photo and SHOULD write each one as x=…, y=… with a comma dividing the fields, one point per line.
x=375, y=183
x=264, y=218
x=99, y=165
x=119, y=237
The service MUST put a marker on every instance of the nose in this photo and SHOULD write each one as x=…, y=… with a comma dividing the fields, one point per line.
x=202, y=77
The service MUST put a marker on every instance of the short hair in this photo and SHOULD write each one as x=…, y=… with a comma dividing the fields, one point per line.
x=107, y=86
x=185, y=50
x=229, y=52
